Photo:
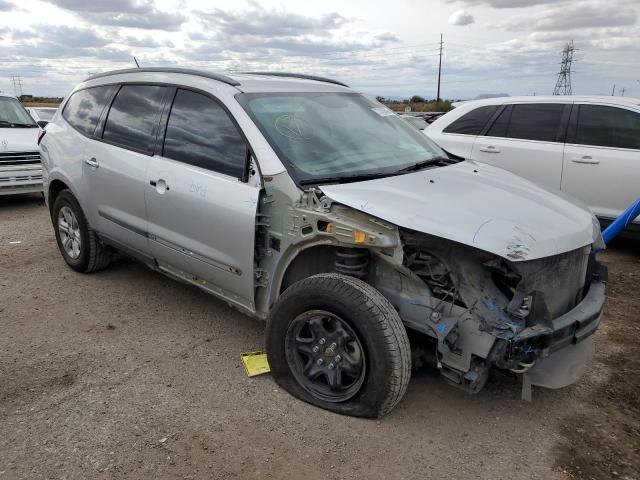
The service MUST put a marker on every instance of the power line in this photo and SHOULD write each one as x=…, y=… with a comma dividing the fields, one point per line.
x=563, y=84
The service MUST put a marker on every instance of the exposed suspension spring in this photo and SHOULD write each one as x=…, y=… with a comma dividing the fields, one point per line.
x=352, y=261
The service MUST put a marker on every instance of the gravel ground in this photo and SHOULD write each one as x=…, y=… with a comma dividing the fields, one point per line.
x=128, y=374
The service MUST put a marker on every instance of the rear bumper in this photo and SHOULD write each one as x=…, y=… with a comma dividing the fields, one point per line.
x=20, y=179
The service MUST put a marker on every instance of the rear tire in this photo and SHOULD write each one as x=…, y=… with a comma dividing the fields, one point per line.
x=78, y=243
x=328, y=322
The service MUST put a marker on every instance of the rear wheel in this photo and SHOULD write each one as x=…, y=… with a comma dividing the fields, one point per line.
x=78, y=243
x=336, y=342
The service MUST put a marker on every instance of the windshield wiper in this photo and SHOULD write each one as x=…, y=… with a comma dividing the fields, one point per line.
x=426, y=163
x=347, y=178
x=18, y=125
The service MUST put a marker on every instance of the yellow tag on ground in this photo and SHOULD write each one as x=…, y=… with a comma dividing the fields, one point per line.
x=255, y=363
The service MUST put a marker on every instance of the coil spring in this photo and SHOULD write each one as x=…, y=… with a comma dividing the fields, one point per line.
x=352, y=261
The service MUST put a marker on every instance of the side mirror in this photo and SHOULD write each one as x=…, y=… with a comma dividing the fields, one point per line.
x=42, y=123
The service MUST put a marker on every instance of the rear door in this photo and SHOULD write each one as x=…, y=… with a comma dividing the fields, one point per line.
x=528, y=140
x=602, y=158
x=116, y=164
x=201, y=210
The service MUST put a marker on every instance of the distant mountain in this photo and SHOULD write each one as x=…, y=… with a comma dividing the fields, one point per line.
x=482, y=96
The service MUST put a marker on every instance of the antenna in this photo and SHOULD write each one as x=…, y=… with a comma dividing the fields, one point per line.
x=136, y=60
x=563, y=84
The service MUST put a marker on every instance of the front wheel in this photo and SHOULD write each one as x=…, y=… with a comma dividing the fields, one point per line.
x=334, y=341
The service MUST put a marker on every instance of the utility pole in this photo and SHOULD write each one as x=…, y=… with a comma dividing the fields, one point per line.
x=439, y=69
x=622, y=94
x=17, y=85
x=613, y=92
x=563, y=84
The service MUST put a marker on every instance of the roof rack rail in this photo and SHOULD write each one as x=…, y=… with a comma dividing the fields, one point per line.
x=298, y=75
x=188, y=71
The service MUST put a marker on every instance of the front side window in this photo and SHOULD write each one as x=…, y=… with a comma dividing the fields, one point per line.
x=535, y=121
x=337, y=136
x=84, y=108
x=13, y=115
x=199, y=132
x=473, y=122
x=133, y=116
x=608, y=127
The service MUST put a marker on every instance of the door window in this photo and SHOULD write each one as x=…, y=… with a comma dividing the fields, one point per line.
x=84, y=108
x=200, y=132
x=535, y=121
x=472, y=122
x=133, y=116
x=499, y=127
x=608, y=127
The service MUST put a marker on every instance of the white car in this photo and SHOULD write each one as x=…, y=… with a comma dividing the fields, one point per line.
x=20, y=167
x=42, y=115
x=588, y=147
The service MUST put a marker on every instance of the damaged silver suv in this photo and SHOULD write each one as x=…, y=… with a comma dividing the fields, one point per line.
x=304, y=203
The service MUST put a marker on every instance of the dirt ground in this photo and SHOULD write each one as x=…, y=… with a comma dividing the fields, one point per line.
x=128, y=374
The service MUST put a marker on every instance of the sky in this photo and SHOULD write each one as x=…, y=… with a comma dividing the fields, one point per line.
x=380, y=47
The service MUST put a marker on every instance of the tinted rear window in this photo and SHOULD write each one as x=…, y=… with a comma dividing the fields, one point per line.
x=200, y=133
x=133, y=116
x=473, y=122
x=536, y=121
x=608, y=127
x=84, y=108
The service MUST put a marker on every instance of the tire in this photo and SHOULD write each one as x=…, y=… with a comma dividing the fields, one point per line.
x=375, y=358
x=90, y=254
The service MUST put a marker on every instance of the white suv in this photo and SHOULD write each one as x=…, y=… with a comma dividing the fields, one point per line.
x=302, y=202
x=588, y=147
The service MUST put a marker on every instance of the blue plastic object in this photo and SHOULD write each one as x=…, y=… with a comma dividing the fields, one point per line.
x=621, y=222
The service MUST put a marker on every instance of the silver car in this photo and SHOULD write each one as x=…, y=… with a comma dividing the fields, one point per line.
x=304, y=203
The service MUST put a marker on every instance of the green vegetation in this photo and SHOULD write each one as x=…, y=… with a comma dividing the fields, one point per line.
x=417, y=104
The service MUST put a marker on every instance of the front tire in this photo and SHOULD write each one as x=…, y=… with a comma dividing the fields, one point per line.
x=78, y=243
x=335, y=342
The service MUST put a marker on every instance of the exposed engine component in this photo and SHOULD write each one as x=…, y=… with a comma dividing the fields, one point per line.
x=434, y=273
x=352, y=261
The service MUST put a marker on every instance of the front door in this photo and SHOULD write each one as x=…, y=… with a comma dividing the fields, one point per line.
x=200, y=210
x=526, y=140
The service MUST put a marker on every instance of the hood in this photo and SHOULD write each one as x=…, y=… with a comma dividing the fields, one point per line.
x=18, y=140
x=475, y=204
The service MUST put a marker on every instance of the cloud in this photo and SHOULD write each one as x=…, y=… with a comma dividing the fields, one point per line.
x=461, y=17
x=508, y=3
x=123, y=13
x=6, y=6
x=576, y=16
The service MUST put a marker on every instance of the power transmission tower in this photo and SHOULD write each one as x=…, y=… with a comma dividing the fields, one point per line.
x=563, y=84
x=17, y=85
x=439, y=69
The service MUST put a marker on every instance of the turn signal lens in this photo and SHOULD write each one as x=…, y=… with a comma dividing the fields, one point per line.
x=359, y=236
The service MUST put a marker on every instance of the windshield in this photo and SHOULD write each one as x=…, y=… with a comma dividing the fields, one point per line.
x=45, y=113
x=12, y=114
x=328, y=136
x=417, y=122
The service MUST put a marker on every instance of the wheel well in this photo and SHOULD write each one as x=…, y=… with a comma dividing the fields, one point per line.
x=55, y=188
x=325, y=259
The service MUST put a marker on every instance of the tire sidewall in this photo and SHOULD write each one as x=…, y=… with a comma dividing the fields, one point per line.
x=65, y=198
x=373, y=393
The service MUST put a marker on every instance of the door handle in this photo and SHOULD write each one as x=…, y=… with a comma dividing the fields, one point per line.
x=160, y=185
x=92, y=162
x=585, y=159
x=490, y=149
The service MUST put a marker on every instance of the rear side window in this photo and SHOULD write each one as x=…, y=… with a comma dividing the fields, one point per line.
x=133, y=116
x=472, y=122
x=84, y=108
x=200, y=132
x=608, y=127
x=535, y=121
